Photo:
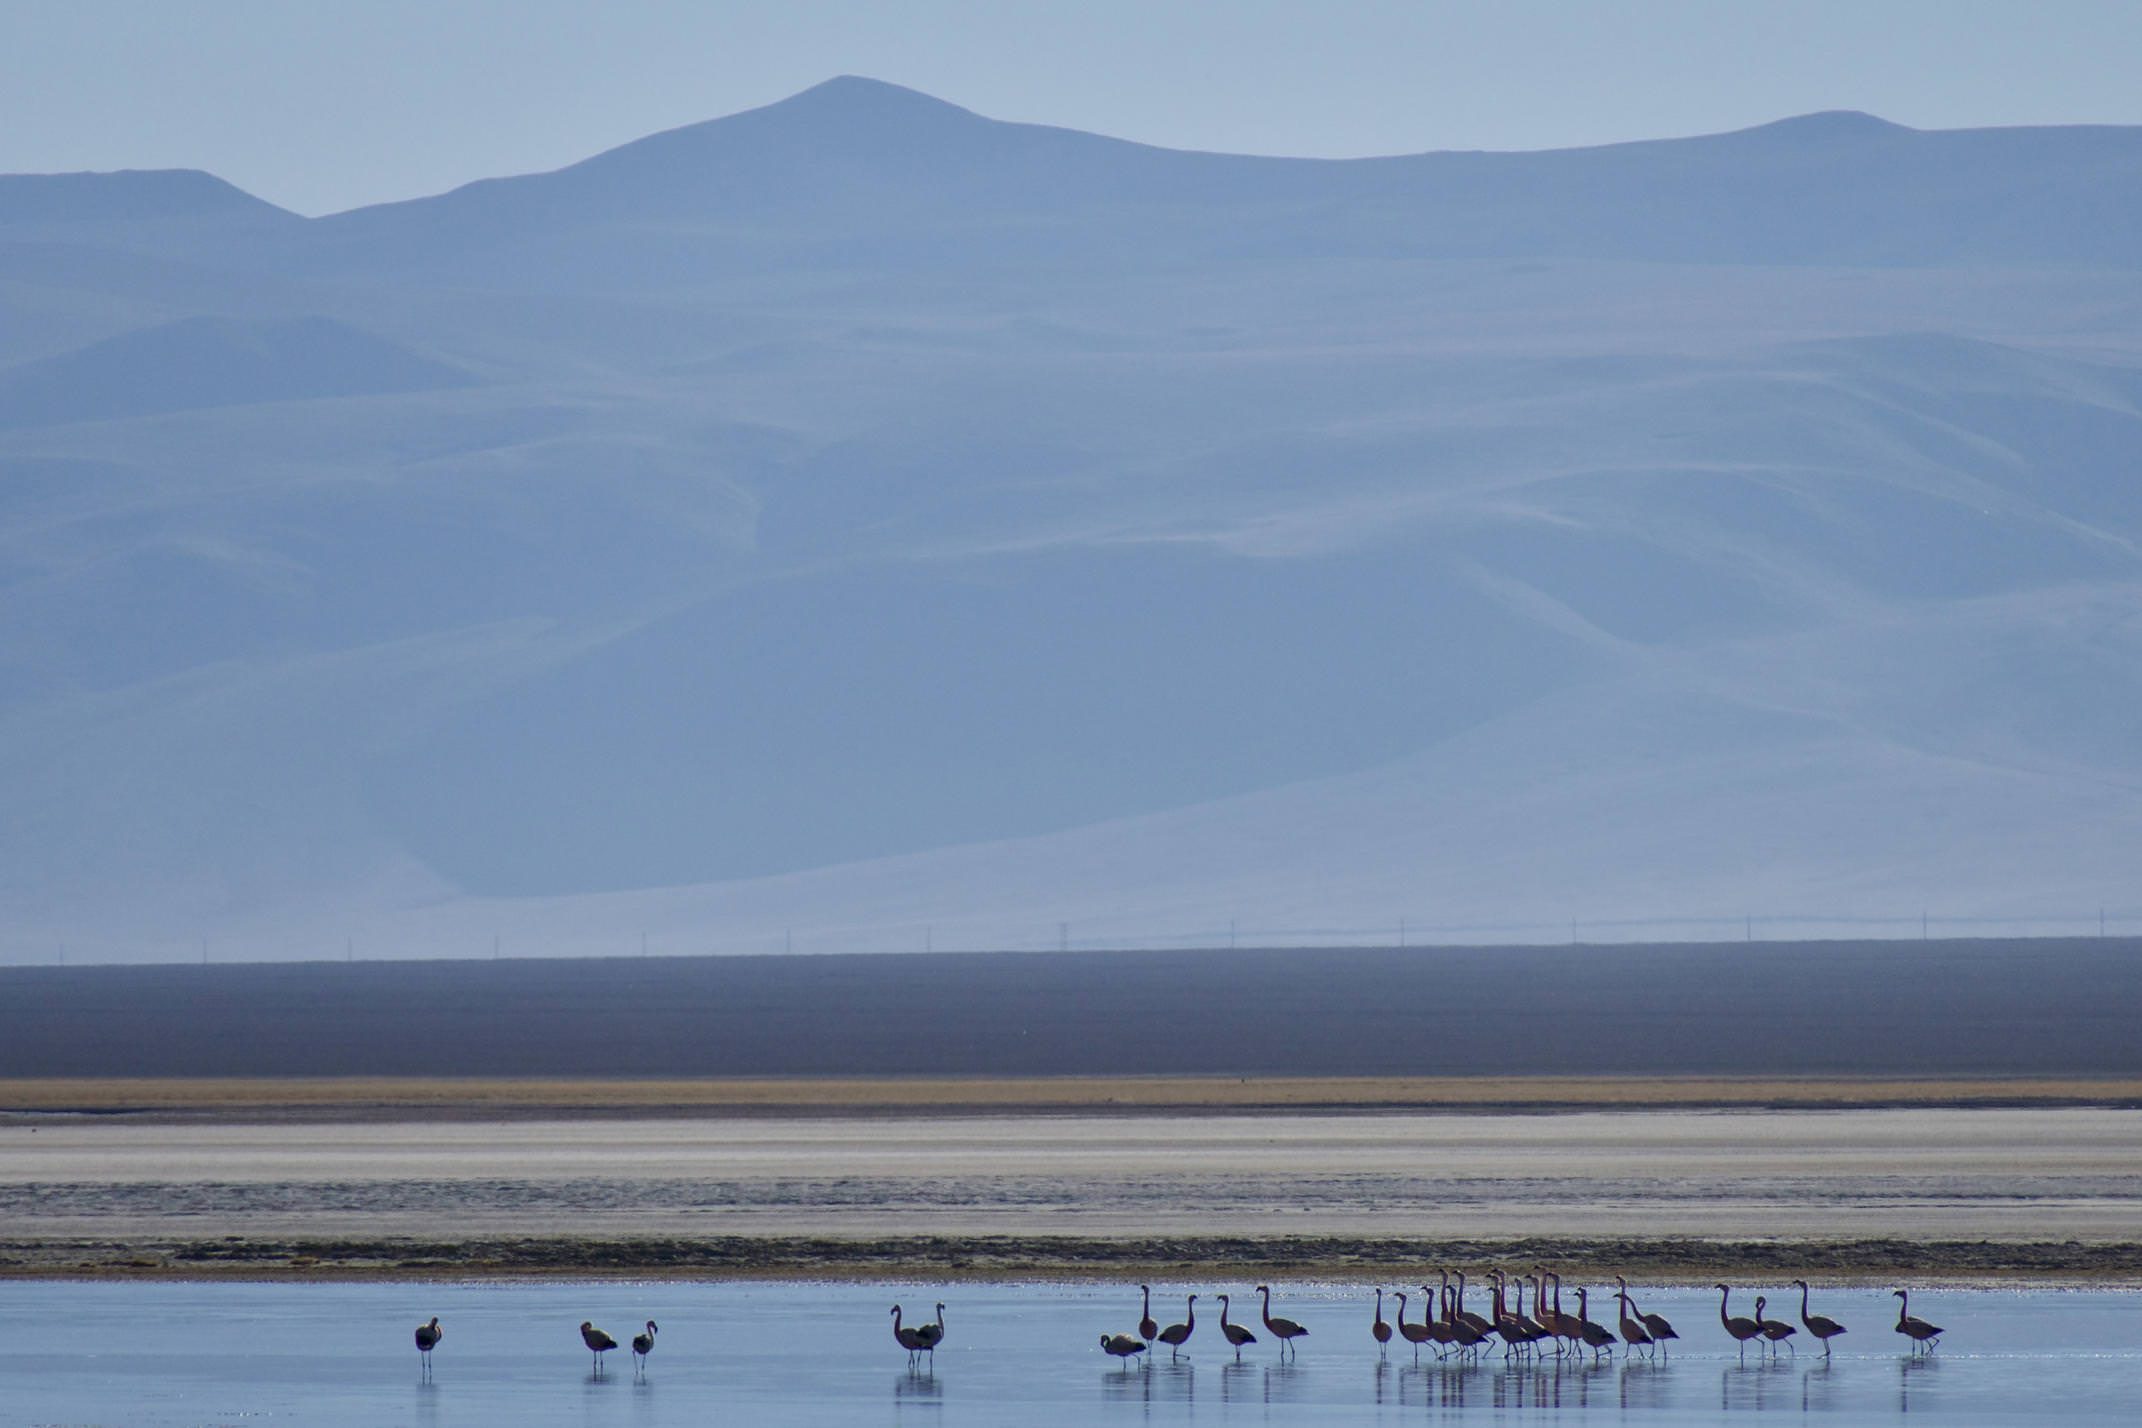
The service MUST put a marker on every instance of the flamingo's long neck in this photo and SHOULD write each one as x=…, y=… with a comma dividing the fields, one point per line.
x=1190, y=1316
x=1803, y=1304
x=1723, y=1296
x=1223, y=1313
x=1903, y=1307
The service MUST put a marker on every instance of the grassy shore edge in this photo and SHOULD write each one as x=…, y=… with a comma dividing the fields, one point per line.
x=1658, y=1261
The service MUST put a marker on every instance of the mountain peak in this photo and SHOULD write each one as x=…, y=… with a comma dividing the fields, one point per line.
x=127, y=194
x=856, y=93
x=1828, y=126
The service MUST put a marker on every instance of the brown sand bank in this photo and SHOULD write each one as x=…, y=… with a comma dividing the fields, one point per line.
x=1993, y=1191
x=381, y=1097
x=1654, y=1261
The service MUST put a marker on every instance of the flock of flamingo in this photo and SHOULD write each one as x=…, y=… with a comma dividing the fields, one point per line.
x=1451, y=1327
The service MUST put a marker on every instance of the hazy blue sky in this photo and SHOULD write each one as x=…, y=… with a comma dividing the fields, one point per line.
x=321, y=105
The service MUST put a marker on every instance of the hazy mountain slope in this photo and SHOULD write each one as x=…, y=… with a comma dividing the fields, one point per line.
x=859, y=515
x=856, y=174
x=212, y=362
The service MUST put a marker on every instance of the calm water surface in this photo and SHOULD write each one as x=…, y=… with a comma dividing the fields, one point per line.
x=780, y=1354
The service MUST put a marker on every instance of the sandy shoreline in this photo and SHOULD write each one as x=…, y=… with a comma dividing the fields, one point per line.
x=451, y=1098
x=1661, y=1261
x=217, y=1182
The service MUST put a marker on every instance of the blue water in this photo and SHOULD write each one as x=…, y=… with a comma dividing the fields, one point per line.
x=148, y=1355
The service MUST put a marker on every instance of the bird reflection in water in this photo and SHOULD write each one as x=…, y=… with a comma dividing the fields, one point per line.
x=1915, y=1375
x=1754, y=1387
x=918, y=1381
x=1643, y=1386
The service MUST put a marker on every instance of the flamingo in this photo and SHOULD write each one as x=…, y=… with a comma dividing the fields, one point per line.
x=932, y=1334
x=643, y=1345
x=1633, y=1332
x=1176, y=1335
x=909, y=1339
x=1460, y=1331
x=1234, y=1333
x=1506, y=1326
x=1777, y=1331
x=1918, y=1330
x=1660, y=1326
x=1596, y=1336
x=1437, y=1324
x=1821, y=1328
x=1741, y=1329
x=1147, y=1329
x=1414, y=1334
x=597, y=1341
x=427, y=1339
x=1284, y=1330
x=1564, y=1326
x=1123, y=1345
x=1467, y=1315
x=1380, y=1330
x=1533, y=1330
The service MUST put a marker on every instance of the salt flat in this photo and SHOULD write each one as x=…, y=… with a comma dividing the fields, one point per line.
x=1910, y=1174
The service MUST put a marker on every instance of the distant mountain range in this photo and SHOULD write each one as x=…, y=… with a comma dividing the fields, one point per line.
x=858, y=523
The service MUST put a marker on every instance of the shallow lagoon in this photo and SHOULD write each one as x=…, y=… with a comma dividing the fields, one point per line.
x=782, y=1354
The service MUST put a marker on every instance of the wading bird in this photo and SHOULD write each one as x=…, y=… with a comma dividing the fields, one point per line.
x=597, y=1341
x=1596, y=1337
x=1451, y=1329
x=1742, y=1330
x=1777, y=1331
x=1633, y=1332
x=1562, y=1325
x=909, y=1339
x=1123, y=1346
x=1234, y=1333
x=1284, y=1330
x=643, y=1345
x=1414, y=1334
x=932, y=1334
x=1917, y=1330
x=1147, y=1329
x=1660, y=1326
x=427, y=1339
x=1379, y=1330
x=1176, y=1335
x=1821, y=1328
